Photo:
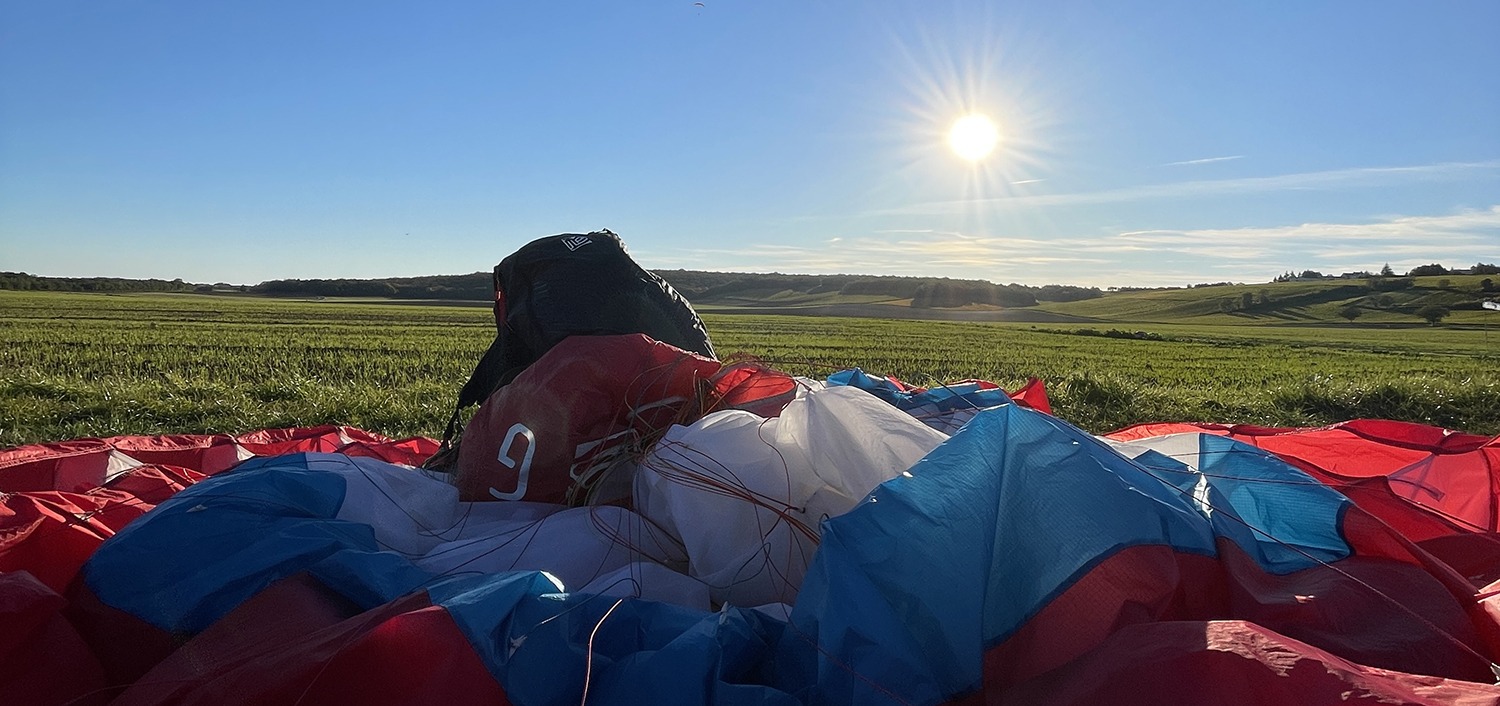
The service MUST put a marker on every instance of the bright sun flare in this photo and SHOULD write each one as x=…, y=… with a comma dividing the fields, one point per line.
x=974, y=137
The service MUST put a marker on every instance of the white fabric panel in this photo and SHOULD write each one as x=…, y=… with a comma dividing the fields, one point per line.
x=1184, y=447
x=119, y=464
x=418, y=514
x=732, y=486
x=576, y=545
x=654, y=582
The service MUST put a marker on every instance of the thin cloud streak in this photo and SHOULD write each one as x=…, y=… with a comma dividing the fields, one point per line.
x=1208, y=160
x=1397, y=229
x=1339, y=178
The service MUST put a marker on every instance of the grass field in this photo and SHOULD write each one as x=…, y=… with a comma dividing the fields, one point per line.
x=76, y=365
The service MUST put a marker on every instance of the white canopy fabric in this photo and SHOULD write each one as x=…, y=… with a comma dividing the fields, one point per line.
x=745, y=494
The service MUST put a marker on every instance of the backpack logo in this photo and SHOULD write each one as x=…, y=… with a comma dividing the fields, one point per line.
x=576, y=242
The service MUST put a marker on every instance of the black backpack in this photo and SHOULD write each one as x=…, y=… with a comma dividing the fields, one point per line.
x=571, y=285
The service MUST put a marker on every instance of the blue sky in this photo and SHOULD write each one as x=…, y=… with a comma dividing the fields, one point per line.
x=1142, y=143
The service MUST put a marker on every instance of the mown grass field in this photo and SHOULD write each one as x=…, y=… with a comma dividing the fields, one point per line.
x=76, y=365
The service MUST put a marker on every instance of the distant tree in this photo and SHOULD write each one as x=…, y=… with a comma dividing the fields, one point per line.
x=1480, y=268
x=1445, y=283
x=1247, y=300
x=1226, y=305
x=1384, y=301
x=1387, y=271
x=1486, y=285
x=1427, y=270
x=1433, y=314
x=1350, y=312
x=1265, y=296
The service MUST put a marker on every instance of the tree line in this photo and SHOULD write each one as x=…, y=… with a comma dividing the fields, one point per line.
x=1429, y=270
x=702, y=286
x=21, y=281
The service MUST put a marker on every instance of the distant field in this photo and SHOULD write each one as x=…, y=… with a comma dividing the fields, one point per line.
x=74, y=365
x=1317, y=302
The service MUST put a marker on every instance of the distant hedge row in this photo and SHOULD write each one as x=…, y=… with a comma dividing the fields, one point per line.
x=34, y=283
x=923, y=291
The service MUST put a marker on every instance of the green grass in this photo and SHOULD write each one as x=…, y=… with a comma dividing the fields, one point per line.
x=75, y=365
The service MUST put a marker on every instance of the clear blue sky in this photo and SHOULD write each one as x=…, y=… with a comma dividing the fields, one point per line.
x=1142, y=143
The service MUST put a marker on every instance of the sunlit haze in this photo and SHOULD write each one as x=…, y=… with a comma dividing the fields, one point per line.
x=1161, y=143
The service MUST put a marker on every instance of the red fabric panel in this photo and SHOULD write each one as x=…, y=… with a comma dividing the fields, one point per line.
x=1457, y=485
x=1152, y=429
x=1227, y=663
x=1141, y=584
x=417, y=448
x=288, y=647
x=51, y=534
x=207, y=454
x=285, y=612
x=754, y=388
x=1474, y=556
x=73, y=466
x=275, y=442
x=585, y=398
x=1342, y=610
x=42, y=658
x=1407, y=435
x=410, y=452
x=1447, y=475
x=125, y=645
x=133, y=494
x=1338, y=610
x=1375, y=496
x=1034, y=395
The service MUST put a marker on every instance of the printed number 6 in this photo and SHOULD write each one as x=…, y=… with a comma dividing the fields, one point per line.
x=504, y=458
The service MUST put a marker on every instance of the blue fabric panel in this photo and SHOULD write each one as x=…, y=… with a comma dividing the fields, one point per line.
x=943, y=398
x=537, y=644
x=878, y=386
x=212, y=546
x=911, y=586
x=963, y=396
x=1283, y=518
x=370, y=578
x=1280, y=501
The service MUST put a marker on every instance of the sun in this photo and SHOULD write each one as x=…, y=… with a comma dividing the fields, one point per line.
x=974, y=137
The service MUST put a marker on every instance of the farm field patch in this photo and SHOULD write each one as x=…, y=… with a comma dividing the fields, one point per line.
x=76, y=365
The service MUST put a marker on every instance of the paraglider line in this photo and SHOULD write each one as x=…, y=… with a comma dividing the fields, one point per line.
x=588, y=669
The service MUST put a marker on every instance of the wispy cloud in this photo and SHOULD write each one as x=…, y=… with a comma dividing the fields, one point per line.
x=1479, y=225
x=1331, y=179
x=1207, y=160
x=1462, y=238
x=1139, y=257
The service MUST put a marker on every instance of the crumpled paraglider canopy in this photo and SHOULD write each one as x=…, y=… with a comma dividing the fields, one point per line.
x=1016, y=560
